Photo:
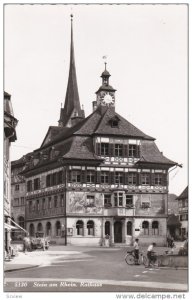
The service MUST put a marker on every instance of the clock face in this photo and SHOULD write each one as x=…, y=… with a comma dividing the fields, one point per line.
x=108, y=99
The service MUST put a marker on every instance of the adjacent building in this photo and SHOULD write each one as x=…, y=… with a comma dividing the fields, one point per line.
x=97, y=176
x=10, y=123
x=183, y=212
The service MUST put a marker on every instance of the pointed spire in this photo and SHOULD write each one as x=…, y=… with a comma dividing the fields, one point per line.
x=72, y=106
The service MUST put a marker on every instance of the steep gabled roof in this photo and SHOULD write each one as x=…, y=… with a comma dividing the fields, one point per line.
x=52, y=132
x=184, y=194
x=150, y=153
x=124, y=127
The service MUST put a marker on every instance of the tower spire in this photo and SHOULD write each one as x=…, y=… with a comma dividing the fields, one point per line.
x=72, y=108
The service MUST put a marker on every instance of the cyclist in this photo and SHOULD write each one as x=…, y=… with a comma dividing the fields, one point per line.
x=151, y=254
x=136, y=251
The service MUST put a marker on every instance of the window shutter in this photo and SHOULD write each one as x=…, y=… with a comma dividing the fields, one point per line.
x=125, y=150
x=98, y=149
x=70, y=176
x=83, y=176
x=112, y=177
x=111, y=149
x=126, y=177
x=138, y=179
x=138, y=151
x=98, y=177
x=152, y=179
x=164, y=179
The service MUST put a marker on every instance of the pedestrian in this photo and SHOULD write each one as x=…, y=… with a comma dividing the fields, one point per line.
x=150, y=254
x=136, y=251
x=26, y=242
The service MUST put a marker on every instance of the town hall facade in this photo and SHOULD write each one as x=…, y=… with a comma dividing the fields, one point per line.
x=96, y=177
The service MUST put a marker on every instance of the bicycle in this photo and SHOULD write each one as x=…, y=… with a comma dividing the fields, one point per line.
x=131, y=260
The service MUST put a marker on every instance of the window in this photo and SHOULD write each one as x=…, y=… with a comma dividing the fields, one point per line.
x=55, y=201
x=119, y=177
x=48, y=229
x=158, y=179
x=129, y=201
x=145, y=179
x=129, y=228
x=132, y=178
x=58, y=228
x=43, y=203
x=104, y=149
x=90, y=200
x=16, y=201
x=145, y=227
x=155, y=228
x=104, y=177
x=37, y=205
x=107, y=228
x=30, y=205
x=29, y=185
x=21, y=222
x=114, y=123
x=17, y=187
x=22, y=201
x=145, y=204
x=49, y=202
x=48, y=180
x=119, y=150
x=61, y=200
x=118, y=199
x=59, y=177
x=90, y=228
x=39, y=227
x=79, y=227
x=54, y=178
x=36, y=183
x=107, y=200
x=90, y=177
x=184, y=217
x=76, y=176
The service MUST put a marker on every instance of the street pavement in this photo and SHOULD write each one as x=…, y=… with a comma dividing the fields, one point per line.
x=72, y=268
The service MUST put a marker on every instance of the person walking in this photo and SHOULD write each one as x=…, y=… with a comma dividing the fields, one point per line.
x=136, y=251
x=150, y=254
x=26, y=242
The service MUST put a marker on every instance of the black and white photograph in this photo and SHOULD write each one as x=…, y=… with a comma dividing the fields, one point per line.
x=95, y=156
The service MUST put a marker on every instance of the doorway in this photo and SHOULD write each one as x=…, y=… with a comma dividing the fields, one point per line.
x=118, y=232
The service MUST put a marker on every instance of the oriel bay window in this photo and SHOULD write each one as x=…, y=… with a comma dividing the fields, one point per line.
x=118, y=199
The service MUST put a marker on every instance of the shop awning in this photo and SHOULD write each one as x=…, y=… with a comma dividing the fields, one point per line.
x=9, y=227
x=18, y=226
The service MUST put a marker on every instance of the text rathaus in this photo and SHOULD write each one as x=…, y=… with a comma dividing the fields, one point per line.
x=97, y=176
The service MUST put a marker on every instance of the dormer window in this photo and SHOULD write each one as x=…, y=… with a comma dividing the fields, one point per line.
x=114, y=122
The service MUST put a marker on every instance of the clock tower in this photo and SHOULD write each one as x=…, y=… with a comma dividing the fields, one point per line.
x=105, y=96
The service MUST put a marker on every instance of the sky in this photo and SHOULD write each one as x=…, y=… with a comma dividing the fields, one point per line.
x=147, y=56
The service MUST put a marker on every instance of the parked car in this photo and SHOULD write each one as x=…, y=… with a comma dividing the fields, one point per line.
x=40, y=241
x=183, y=250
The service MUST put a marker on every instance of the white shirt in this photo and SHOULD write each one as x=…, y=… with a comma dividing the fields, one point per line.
x=150, y=248
x=136, y=246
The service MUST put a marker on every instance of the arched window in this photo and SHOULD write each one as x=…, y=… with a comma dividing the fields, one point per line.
x=39, y=227
x=21, y=222
x=107, y=228
x=145, y=227
x=129, y=228
x=79, y=227
x=90, y=227
x=31, y=230
x=48, y=229
x=155, y=228
x=58, y=228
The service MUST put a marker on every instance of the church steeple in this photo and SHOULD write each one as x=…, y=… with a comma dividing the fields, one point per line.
x=72, y=112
